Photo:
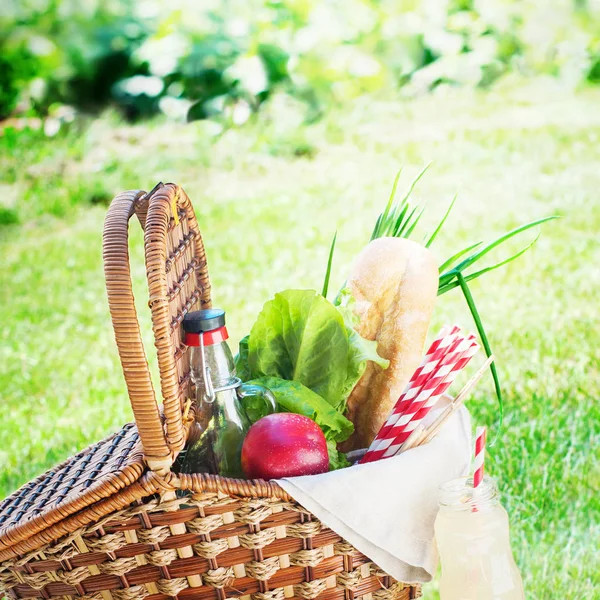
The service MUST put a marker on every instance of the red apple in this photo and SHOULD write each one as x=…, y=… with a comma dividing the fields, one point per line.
x=284, y=445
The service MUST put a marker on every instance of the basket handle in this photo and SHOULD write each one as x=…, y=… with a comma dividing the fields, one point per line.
x=115, y=251
x=161, y=232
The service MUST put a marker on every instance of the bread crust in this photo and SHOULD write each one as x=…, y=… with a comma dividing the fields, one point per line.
x=394, y=282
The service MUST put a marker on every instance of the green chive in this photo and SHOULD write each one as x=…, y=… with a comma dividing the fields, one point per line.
x=477, y=255
x=415, y=181
x=415, y=222
x=329, y=263
x=383, y=217
x=486, y=345
x=456, y=256
x=441, y=223
x=397, y=224
x=447, y=286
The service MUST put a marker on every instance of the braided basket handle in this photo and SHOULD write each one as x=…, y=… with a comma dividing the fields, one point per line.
x=177, y=283
x=115, y=252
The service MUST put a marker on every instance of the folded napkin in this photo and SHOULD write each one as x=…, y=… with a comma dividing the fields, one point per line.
x=386, y=509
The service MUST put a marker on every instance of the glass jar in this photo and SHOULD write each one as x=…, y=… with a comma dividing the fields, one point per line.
x=472, y=535
x=215, y=441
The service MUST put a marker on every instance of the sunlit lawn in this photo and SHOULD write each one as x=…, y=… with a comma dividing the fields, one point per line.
x=268, y=202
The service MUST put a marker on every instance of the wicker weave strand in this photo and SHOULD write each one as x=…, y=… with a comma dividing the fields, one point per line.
x=172, y=587
x=137, y=592
x=349, y=579
x=253, y=514
x=276, y=594
x=310, y=589
x=211, y=549
x=263, y=570
x=304, y=530
x=8, y=580
x=204, y=525
x=343, y=548
x=260, y=539
x=153, y=536
x=218, y=578
x=97, y=596
x=307, y=558
x=161, y=558
x=74, y=577
x=389, y=593
x=118, y=567
x=107, y=543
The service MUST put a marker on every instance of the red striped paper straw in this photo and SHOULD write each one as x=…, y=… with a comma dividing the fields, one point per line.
x=387, y=434
x=434, y=355
x=438, y=349
x=479, y=456
x=416, y=385
x=398, y=420
x=452, y=365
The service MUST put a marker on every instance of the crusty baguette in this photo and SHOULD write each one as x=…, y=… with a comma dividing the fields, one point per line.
x=394, y=282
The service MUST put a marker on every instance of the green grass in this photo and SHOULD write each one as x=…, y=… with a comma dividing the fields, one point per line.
x=268, y=218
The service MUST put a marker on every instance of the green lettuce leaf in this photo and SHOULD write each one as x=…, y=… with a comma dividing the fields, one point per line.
x=337, y=459
x=294, y=397
x=242, y=368
x=300, y=336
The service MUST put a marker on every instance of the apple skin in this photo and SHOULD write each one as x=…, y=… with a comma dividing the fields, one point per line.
x=284, y=445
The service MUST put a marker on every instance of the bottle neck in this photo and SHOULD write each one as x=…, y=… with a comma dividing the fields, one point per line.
x=459, y=494
x=218, y=359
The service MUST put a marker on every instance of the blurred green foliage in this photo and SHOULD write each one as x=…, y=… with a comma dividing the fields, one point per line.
x=223, y=59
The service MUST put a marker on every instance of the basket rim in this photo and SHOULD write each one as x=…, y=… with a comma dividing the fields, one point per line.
x=112, y=494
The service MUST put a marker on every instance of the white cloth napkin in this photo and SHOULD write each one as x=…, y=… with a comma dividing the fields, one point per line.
x=386, y=509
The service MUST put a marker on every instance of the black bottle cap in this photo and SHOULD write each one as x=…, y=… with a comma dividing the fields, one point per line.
x=200, y=321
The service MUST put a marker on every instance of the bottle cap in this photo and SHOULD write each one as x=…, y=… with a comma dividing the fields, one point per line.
x=208, y=323
x=201, y=321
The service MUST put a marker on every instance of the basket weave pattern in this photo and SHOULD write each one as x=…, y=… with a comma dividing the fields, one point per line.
x=268, y=549
x=114, y=522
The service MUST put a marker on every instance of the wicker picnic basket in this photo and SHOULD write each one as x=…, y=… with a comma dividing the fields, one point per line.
x=115, y=522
